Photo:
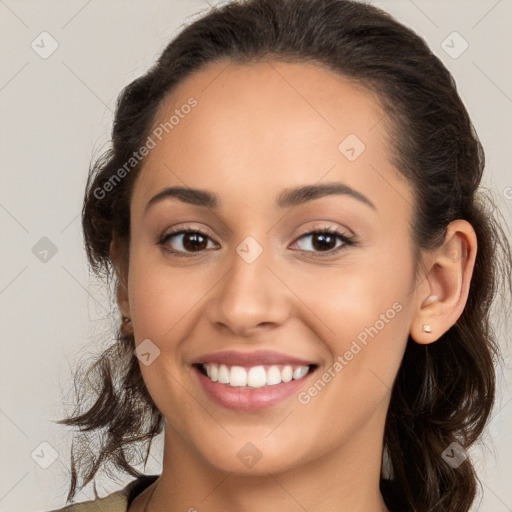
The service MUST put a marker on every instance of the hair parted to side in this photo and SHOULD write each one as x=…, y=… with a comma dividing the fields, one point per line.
x=444, y=391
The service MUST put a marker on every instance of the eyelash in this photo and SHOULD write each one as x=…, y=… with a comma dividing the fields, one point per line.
x=347, y=241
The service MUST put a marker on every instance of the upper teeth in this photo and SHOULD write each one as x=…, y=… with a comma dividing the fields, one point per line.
x=254, y=377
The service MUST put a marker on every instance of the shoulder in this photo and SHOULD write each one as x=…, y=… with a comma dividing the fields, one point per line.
x=117, y=501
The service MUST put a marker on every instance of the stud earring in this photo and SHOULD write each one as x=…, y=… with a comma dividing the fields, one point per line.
x=426, y=328
x=126, y=327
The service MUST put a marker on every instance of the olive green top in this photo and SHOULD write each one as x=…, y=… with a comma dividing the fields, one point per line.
x=117, y=501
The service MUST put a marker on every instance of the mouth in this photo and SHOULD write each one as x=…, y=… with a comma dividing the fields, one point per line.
x=251, y=381
x=253, y=377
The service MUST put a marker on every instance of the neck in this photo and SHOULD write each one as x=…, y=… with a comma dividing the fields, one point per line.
x=344, y=479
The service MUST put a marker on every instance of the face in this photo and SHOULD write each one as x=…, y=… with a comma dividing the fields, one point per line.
x=251, y=287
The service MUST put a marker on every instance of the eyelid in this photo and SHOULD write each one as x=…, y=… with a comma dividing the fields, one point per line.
x=180, y=228
x=324, y=228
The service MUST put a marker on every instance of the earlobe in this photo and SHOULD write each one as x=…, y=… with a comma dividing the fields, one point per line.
x=443, y=296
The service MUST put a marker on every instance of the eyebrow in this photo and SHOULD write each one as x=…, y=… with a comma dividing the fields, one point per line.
x=287, y=198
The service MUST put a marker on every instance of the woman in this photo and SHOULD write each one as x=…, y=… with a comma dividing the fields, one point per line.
x=304, y=266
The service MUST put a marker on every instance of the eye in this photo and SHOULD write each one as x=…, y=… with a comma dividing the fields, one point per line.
x=324, y=240
x=186, y=240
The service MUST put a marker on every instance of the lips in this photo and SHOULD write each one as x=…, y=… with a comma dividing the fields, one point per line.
x=247, y=359
x=250, y=399
x=271, y=378
x=251, y=381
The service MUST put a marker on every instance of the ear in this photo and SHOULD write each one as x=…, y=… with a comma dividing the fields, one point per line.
x=443, y=294
x=122, y=274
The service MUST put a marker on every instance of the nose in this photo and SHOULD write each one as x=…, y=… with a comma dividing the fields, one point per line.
x=251, y=297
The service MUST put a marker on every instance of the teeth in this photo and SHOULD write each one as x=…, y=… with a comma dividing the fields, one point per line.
x=273, y=376
x=287, y=374
x=237, y=376
x=300, y=372
x=223, y=377
x=254, y=377
x=257, y=377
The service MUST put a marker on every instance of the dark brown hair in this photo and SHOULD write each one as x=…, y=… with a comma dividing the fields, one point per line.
x=444, y=391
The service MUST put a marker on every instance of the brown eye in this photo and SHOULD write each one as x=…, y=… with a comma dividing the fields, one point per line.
x=194, y=241
x=185, y=241
x=325, y=240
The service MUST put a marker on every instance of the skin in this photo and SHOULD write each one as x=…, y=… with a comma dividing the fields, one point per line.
x=259, y=129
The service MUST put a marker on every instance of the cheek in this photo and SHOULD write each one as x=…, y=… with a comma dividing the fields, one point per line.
x=162, y=295
x=366, y=307
x=357, y=295
x=160, y=306
x=369, y=316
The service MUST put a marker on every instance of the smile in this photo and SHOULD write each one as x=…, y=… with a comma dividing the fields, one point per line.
x=251, y=388
x=255, y=376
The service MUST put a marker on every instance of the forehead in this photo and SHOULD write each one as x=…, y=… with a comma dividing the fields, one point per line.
x=260, y=127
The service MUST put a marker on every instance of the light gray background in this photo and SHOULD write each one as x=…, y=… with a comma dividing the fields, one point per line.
x=57, y=113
